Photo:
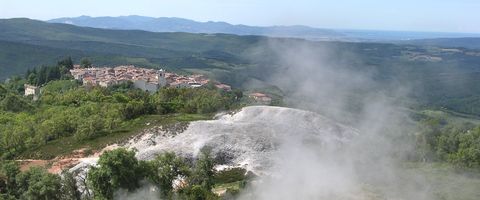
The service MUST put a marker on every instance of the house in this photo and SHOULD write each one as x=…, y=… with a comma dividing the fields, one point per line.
x=31, y=90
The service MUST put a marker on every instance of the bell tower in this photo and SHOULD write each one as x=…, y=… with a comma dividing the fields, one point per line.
x=162, y=81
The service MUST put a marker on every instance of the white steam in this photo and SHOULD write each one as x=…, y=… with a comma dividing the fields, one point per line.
x=368, y=166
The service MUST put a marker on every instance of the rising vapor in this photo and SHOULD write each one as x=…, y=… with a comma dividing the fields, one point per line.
x=368, y=166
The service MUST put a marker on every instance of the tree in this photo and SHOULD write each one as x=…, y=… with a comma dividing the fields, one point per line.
x=85, y=63
x=197, y=192
x=116, y=169
x=133, y=109
x=14, y=103
x=69, y=186
x=166, y=168
x=203, y=173
x=9, y=170
x=67, y=63
x=42, y=76
x=36, y=183
x=52, y=73
x=99, y=180
x=88, y=128
x=32, y=79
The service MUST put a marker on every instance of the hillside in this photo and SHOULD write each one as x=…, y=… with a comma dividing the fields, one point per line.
x=16, y=58
x=171, y=50
x=438, y=77
x=166, y=24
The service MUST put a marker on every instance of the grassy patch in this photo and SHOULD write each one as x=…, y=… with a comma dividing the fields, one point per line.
x=66, y=145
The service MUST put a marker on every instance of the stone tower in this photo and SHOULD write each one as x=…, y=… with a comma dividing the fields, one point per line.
x=162, y=82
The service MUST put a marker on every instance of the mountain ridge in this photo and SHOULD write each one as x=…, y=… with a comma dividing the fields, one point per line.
x=175, y=24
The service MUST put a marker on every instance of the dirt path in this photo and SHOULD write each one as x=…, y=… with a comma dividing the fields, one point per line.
x=58, y=164
x=55, y=165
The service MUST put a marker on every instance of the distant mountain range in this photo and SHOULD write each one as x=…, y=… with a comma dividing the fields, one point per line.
x=167, y=24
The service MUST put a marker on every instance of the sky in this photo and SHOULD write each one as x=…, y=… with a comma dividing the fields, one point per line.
x=402, y=15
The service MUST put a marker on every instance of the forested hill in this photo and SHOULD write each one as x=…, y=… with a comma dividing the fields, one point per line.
x=172, y=24
x=439, y=77
x=176, y=50
x=146, y=43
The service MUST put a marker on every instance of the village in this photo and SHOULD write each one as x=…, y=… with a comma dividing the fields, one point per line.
x=142, y=78
x=150, y=80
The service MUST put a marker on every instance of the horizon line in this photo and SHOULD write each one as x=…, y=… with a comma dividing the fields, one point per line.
x=264, y=26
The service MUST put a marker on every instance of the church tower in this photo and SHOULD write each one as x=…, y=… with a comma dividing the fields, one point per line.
x=162, y=81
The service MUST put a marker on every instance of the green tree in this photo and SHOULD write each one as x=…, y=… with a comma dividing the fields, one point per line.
x=32, y=79
x=203, y=172
x=69, y=187
x=42, y=76
x=90, y=127
x=9, y=170
x=85, y=63
x=36, y=183
x=166, y=168
x=133, y=109
x=116, y=169
x=67, y=63
x=100, y=182
x=14, y=103
x=197, y=192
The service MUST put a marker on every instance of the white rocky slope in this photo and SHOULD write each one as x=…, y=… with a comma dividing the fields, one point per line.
x=247, y=138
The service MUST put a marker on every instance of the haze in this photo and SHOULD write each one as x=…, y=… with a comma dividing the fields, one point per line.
x=407, y=15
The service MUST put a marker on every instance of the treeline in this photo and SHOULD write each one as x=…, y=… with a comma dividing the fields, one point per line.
x=175, y=178
x=65, y=109
x=440, y=141
x=44, y=74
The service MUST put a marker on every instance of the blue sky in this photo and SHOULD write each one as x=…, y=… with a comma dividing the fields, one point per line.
x=408, y=15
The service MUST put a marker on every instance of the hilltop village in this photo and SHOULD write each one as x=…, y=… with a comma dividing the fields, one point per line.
x=150, y=80
x=145, y=79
